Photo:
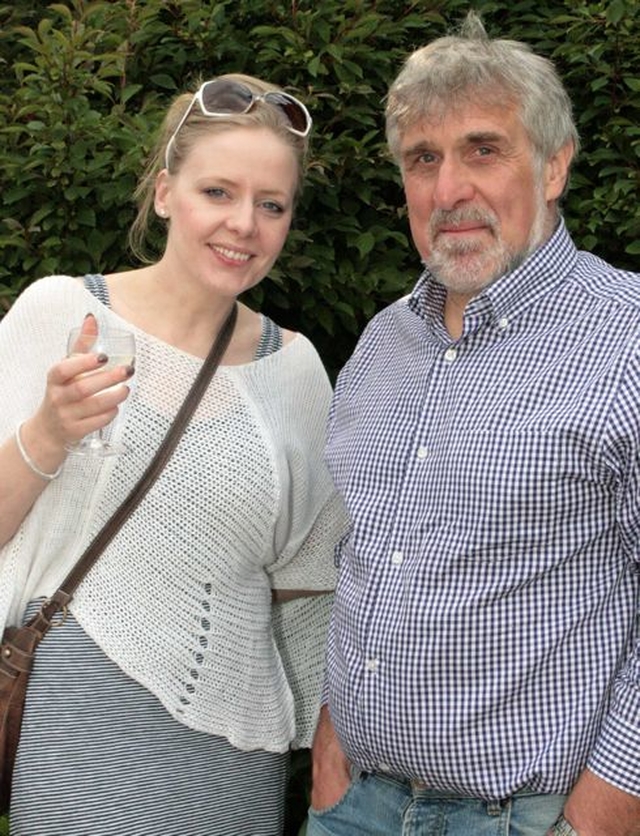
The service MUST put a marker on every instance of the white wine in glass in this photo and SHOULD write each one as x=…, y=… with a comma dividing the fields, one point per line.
x=120, y=348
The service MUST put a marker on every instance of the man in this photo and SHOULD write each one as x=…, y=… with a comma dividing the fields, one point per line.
x=484, y=655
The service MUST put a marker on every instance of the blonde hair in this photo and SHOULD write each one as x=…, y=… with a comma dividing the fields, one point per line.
x=196, y=125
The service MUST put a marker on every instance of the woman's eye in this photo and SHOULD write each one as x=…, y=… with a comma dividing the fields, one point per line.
x=214, y=191
x=273, y=207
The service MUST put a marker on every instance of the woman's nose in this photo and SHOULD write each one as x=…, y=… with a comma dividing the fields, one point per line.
x=242, y=218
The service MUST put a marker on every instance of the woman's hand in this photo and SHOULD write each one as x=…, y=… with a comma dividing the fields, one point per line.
x=81, y=396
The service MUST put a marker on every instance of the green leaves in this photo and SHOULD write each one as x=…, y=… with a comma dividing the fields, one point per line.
x=85, y=84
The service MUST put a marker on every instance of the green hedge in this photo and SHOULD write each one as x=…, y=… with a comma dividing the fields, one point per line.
x=84, y=84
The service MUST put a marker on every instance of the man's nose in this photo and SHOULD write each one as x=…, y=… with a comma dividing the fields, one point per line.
x=453, y=185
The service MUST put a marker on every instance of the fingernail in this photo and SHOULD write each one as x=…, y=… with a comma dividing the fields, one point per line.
x=87, y=315
x=102, y=358
x=130, y=370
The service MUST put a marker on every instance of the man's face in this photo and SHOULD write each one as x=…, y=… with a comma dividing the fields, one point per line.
x=478, y=203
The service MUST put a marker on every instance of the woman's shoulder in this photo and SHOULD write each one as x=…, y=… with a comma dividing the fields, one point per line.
x=54, y=283
x=292, y=379
x=49, y=294
x=55, y=289
x=298, y=352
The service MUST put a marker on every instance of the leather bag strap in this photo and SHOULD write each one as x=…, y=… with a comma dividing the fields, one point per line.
x=59, y=600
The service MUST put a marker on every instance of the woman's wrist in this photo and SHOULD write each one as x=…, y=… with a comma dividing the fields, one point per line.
x=33, y=466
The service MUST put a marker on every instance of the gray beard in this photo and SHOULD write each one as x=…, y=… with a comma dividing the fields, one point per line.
x=475, y=272
x=468, y=268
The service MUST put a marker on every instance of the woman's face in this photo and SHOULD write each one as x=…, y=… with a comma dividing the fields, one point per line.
x=230, y=206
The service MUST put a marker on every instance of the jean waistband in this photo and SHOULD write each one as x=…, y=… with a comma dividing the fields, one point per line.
x=426, y=791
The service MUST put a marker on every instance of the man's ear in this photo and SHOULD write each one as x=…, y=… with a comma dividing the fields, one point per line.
x=557, y=171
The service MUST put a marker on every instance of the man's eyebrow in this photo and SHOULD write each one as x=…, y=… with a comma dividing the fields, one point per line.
x=418, y=148
x=476, y=137
x=472, y=138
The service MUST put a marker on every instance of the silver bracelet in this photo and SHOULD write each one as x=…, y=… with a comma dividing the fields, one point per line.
x=30, y=463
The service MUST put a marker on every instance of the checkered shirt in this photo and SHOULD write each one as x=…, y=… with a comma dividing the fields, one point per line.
x=485, y=634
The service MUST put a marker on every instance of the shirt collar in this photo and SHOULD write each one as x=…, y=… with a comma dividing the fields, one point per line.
x=512, y=293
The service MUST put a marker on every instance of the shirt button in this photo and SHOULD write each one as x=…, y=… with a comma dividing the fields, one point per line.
x=372, y=665
x=384, y=767
x=450, y=354
x=397, y=558
x=503, y=323
x=422, y=452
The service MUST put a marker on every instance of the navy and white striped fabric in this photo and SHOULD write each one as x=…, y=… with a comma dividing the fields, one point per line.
x=485, y=634
x=100, y=756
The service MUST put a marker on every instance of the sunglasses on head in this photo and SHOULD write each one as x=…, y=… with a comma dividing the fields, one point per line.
x=222, y=97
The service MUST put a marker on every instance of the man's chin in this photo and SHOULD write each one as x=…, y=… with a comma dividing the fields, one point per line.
x=462, y=274
x=470, y=272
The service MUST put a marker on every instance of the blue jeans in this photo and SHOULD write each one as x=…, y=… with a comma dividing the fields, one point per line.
x=379, y=805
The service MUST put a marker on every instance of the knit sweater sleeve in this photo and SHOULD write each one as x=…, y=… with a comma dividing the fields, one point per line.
x=311, y=522
x=33, y=337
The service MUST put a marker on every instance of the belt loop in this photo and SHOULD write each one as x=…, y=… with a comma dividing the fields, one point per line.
x=494, y=808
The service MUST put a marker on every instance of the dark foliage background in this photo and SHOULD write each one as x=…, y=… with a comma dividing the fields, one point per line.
x=83, y=86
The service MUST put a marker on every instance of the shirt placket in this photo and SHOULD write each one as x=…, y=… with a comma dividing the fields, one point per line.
x=421, y=452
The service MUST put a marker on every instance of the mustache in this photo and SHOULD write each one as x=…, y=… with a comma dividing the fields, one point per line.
x=454, y=217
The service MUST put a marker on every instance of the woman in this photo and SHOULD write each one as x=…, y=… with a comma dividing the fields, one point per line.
x=169, y=698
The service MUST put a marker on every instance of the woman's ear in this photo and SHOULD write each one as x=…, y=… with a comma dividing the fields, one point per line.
x=161, y=197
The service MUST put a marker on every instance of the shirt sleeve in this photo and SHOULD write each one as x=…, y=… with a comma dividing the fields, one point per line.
x=614, y=758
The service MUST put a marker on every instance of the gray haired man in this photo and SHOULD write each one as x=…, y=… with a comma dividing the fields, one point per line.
x=484, y=654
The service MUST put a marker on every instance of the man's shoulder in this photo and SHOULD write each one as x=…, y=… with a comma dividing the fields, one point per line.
x=376, y=348
x=389, y=315
x=601, y=279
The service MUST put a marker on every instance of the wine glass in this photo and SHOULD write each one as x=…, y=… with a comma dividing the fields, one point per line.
x=120, y=348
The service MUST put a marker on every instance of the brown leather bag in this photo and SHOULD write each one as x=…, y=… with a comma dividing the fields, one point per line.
x=19, y=643
x=16, y=659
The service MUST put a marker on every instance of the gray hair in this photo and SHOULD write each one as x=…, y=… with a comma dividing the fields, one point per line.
x=470, y=67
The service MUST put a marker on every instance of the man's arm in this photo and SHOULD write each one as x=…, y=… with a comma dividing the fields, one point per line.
x=597, y=808
x=330, y=766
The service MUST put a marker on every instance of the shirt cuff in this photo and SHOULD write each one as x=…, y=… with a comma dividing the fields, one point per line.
x=615, y=755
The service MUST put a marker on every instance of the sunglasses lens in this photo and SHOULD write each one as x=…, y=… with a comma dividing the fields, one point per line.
x=226, y=97
x=292, y=109
x=220, y=96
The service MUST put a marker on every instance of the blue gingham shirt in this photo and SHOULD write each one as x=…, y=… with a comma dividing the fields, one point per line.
x=485, y=634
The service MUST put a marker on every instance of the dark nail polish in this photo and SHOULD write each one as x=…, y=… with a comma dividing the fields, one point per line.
x=130, y=370
x=102, y=359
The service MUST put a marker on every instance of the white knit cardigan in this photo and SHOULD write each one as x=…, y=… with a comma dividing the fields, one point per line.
x=181, y=600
